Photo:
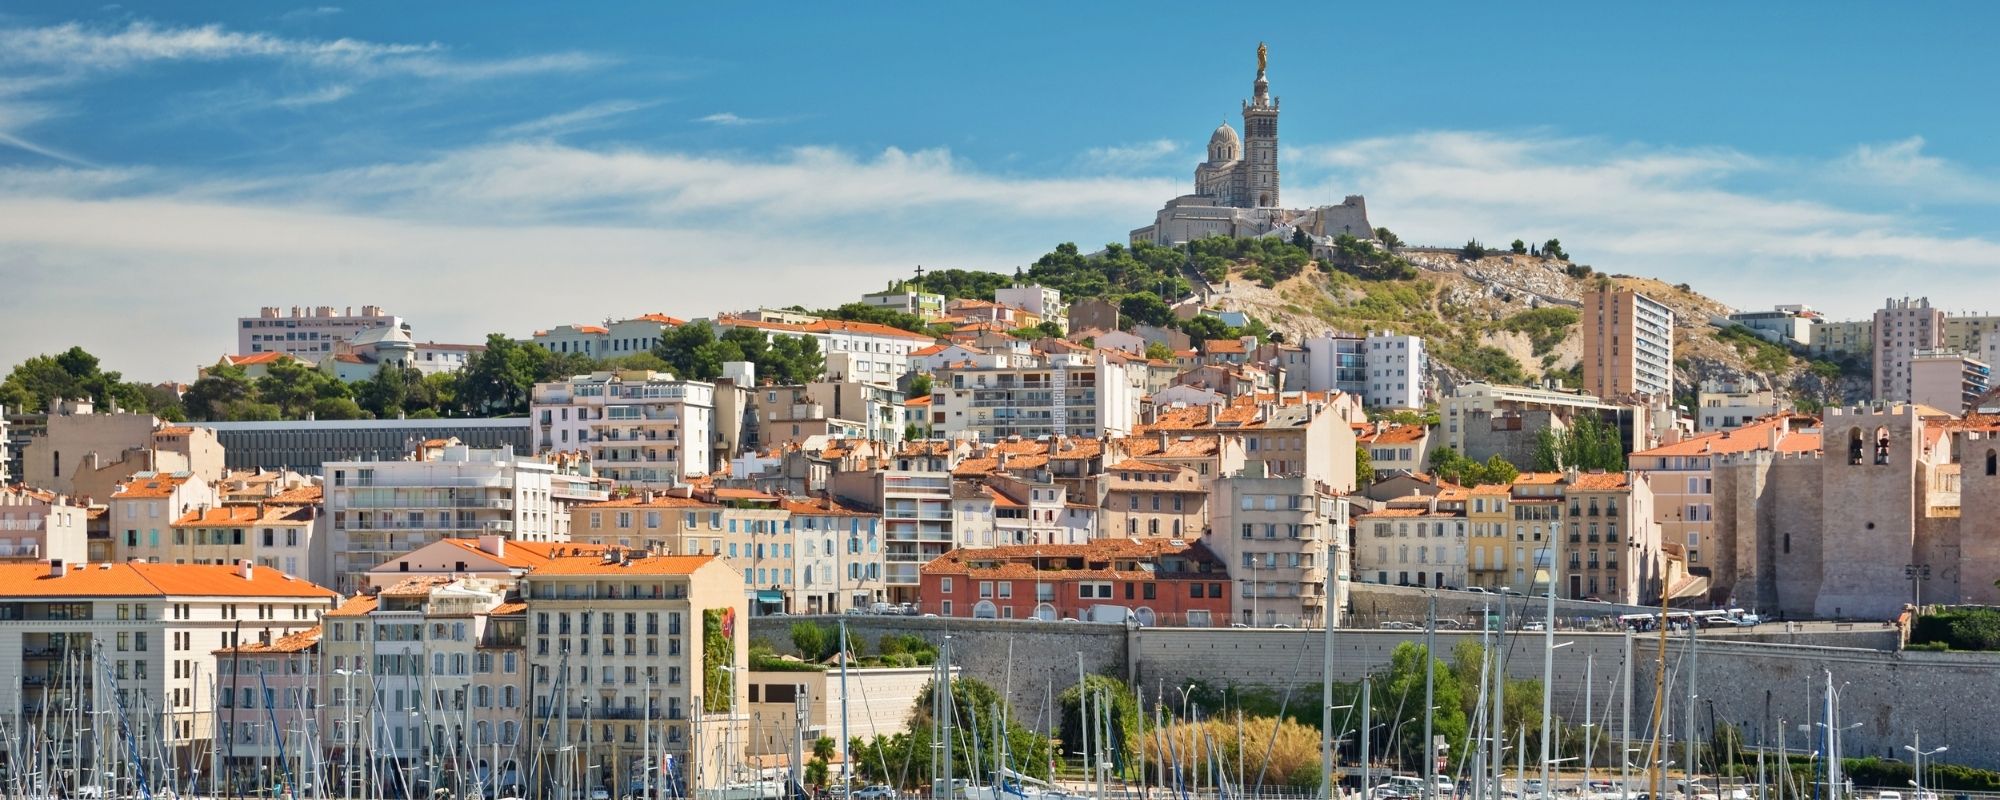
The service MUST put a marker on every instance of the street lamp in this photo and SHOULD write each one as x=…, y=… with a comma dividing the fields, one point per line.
x=1917, y=574
x=1916, y=749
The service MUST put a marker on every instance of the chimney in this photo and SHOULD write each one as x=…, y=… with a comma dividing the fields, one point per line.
x=1163, y=441
x=57, y=568
x=245, y=569
x=493, y=544
x=1211, y=413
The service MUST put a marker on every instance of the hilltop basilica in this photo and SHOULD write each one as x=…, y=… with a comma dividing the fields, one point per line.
x=1236, y=191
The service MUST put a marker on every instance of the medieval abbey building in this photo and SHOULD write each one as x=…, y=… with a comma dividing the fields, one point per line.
x=1237, y=190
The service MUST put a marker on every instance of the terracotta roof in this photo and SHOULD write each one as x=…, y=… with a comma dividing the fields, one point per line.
x=32, y=579
x=175, y=430
x=508, y=609
x=1229, y=346
x=417, y=586
x=150, y=486
x=294, y=642
x=1601, y=481
x=640, y=501
x=1538, y=479
x=525, y=555
x=662, y=319
x=299, y=495
x=918, y=401
x=596, y=565
x=249, y=359
x=591, y=329
x=1744, y=439
x=1184, y=446
x=740, y=494
x=1396, y=434
x=1130, y=465
x=865, y=329
x=245, y=514
x=820, y=507
x=22, y=490
x=355, y=607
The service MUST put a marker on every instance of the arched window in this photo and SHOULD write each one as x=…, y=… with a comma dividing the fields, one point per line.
x=1854, y=446
x=485, y=732
x=507, y=733
x=985, y=610
x=1881, y=446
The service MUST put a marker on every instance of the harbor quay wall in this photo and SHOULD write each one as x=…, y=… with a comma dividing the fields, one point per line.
x=1950, y=698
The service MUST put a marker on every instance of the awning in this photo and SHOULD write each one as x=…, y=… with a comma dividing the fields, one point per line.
x=775, y=598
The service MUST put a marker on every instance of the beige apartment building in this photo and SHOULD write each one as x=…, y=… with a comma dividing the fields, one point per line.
x=1144, y=500
x=625, y=651
x=1628, y=345
x=1279, y=536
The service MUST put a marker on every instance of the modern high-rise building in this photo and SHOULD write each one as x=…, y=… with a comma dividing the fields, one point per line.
x=1948, y=380
x=1902, y=328
x=1628, y=345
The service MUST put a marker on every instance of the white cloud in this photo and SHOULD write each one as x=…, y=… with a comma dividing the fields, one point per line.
x=595, y=115
x=309, y=12
x=1131, y=156
x=329, y=93
x=1904, y=167
x=1669, y=213
x=73, y=47
x=730, y=118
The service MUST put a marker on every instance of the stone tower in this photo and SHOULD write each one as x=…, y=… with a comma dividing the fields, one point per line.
x=1260, y=143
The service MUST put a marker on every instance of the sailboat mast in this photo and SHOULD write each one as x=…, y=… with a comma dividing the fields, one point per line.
x=1430, y=697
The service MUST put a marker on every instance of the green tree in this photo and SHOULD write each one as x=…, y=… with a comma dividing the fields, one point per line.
x=814, y=642
x=296, y=387
x=1145, y=308
x=499, y=379
x=1473, y=250
x=1553, y=248
x=1124, y=713
x=1588, y=444
x=920, y=386
x=338, y=408
x=212, y=395
x=792, y=360
x=1364, y=466
x=904, y=759
x=1399, y=699
x=1519, y=248
x=1388, y=238
x=387, y=393
x=1159, y=351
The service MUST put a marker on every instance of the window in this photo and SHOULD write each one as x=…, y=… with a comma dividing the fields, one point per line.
x=944, y=585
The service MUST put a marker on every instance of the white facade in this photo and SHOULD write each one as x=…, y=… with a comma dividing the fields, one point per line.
x=37, y=524
x=639, y=428
x=156, y=627
x=384, y=509
x=1083, y=396
x=1723, y=408
x=1410, y=547
x=906, y=301
x=1396, y=369
x=612, y=339
x=1948, y=380
x=1903, y=327
x=1041, y=300
x=309, y=335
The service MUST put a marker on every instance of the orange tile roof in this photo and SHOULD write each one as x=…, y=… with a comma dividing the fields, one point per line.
x=1017, y=561
x=1538, y=479
x=1229, y=346
x=591, y=329
x=23, y=490
x=662, y=319
x=1185, y=446
x=820, y=507
x=299, y=495
x=640, y=501
x=32, y=579
x=596, y=565
x=526, y=555
x=740, y=494
x=245, y=514
x=359, y=606
x=866, y=329
x=174, y=430
x=1131, y=465
x=417, y=586
x=150, y=486
x=249, y=359
x=508, y=609
x=1601, y=481
x=918, y=401
x=294, y=642
x=1743, y=439
x=1396, y=434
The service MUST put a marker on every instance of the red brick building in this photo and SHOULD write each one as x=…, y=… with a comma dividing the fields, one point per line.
x=1166, y=582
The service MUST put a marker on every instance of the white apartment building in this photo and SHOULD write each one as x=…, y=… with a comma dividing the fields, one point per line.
x=1903, y=327
x=612, y=339
x=43, y=525
x=618, y=640
x=1948, y=380
x=1040, y=300
x=1408, y=545
x=854, y=351
x=384, y=509
x=1078, y=394
x=142, y=510
x=638, y=428
x=308, y=334
x=906, y=301
x=156, y=627
x=1397, y=366
x=1719, y=408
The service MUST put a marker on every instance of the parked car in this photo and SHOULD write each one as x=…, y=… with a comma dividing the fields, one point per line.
x=876, y=792
x=1476, y=590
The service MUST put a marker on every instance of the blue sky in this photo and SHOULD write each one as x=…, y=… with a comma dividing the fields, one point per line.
x=500, y=167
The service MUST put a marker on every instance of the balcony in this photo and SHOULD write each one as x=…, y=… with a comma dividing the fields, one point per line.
x=420, y=481
x=462, y=502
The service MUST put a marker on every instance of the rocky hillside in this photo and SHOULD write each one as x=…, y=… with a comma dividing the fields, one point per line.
x=1513, y=318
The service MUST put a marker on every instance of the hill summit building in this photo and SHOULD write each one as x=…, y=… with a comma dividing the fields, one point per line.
x=1236, y=191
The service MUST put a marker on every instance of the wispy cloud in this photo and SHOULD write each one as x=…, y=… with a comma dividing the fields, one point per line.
x=730, y=118
x=1905, y=167
x=309, y=12
x=1131, y=156
x=595, y=115
x=73, y=47
x=326, y=94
